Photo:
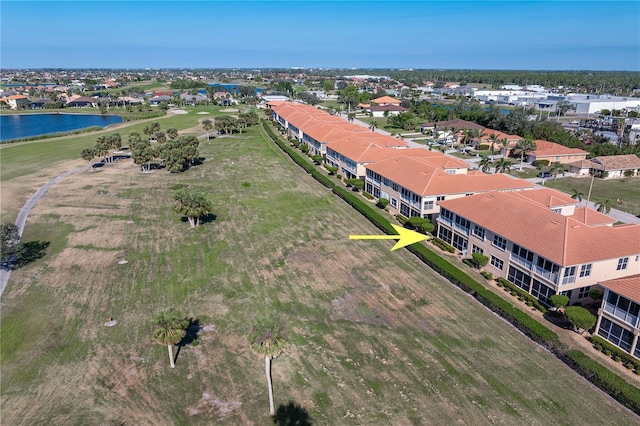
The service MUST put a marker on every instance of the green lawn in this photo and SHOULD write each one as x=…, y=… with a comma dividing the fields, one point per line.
x=376, y=337
x=627, y=190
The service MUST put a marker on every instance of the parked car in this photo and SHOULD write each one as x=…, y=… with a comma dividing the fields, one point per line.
x=544, y=175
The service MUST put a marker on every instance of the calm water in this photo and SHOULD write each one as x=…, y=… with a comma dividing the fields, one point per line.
x=27, y=125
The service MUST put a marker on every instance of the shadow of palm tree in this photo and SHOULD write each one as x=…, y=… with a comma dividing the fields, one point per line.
x=291, y=414
x=191, y=338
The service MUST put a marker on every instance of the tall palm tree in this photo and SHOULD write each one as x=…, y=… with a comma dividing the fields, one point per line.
x=604, y=206
x=493, y=138
x=373, y=126
x=523, y=147
x=505, y=146
x=170, y=328
x=268, y=338
x=207, y=126
x=577, y=194
x=502, y=165
x=485, y=164
x=87, y=154
x=556, y=168
x=192, y=205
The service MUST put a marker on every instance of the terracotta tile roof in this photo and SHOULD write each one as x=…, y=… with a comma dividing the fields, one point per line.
x=385, y=100
x=561, y=239
x=512, y=139
x=585, y=164
x=371, y=137
x=549, y=197
x=628, y=287
x=457, y=123
x=426, y=176
x=16, y=97
x=592, y=217
x=618, y=162
x=547, y=149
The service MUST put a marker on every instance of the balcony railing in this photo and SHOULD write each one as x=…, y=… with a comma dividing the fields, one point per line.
x=462, y=229
x=444, y=220
x=521, y=261
x=550, y=276
x=625, y=316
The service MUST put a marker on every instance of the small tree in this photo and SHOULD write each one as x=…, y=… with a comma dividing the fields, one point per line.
x=207, y=125
x=596, y=294
x=11, y=245
x=332, y=169
x=88, y=154
x=357, y=184
x=317, y=158
x=559, y=301
x=169, y=328
x=581, y=318
x=268, y=338
x=382, y=203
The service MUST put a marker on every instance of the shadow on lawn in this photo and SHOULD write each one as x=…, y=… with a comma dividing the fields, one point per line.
x=208, y=218
x=191, y=338
x=291, y=414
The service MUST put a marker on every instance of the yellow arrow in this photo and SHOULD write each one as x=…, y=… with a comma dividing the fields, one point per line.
x=405, y=237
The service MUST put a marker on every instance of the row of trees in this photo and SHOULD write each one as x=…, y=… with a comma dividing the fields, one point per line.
x=268, y=338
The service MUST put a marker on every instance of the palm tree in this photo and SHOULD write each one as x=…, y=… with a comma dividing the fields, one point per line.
x=374, y=125
x=172, y=133
x=502, y=165
x=485, y=164
x=351, y=116
x=577, y=194
x=523, y=147
x=556, y=168
x=493, y=138
x=207, y=126
x=604, y=206
x=170, y=328
x=87, y=154
x=505, y=146
x=268, y=338
x=192, y=205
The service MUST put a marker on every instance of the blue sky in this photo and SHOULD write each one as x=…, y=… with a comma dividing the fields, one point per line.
x=548, y=35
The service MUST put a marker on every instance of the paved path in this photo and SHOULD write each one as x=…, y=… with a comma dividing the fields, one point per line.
x=21, y=221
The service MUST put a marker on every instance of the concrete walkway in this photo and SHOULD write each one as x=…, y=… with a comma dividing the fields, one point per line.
x=21, y=220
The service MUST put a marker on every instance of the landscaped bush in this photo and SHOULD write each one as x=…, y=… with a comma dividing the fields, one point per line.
x=611, y=383
x=517, y=291
x=484, y=147
x=368, y=196
x=480, y=259
x=469, y=262
x=443, y=245
x=401, y=219
x=581, y=318
x=382, y=203
x=323, y=179
x=318, y=159
x=601, y=345
x=332, y=170
x=559, y=301
x=487, y=275
x=290, y=152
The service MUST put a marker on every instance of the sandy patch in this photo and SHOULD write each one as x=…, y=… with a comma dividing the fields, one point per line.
x=202, y=113
x=229, y=110
x=178, y=111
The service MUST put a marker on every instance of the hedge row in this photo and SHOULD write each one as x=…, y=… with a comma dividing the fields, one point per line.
x=614, y=385
x=615, y=352
x=521, y=293
x=299, y=159
x=611, y=383
x=323, y=179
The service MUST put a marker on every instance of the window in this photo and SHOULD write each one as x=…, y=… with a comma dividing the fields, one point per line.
x=476, y=249
x=622, y=263
x=440, y=198
x=478, y=231
x=542, y=292
x=585, y=270
x=428, y=205
x=368, y=188
x=394, y=186
x=394, y=202
x=519, y=278
x=522, y=256
x=459, y=242
x=584, y=292
x=558, y=210
x=499, y=242
x=444, y=234
x=498, y=263
x=569, y=275
x=616, y=334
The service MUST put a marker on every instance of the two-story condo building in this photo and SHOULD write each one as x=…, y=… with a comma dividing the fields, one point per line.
x=541, y=241
x=415, y=186
x=618, y=316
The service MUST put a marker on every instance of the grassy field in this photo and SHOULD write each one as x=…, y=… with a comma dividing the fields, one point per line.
x=627, y=190
x=376, y=337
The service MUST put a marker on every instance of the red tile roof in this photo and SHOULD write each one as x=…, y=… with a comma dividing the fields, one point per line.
x=628, y=287
x=549, y=149
x=426, y=176
x=385, y=100
x=561, y=239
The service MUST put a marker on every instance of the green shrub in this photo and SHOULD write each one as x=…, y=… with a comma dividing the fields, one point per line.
x=368, y=196
x=601, y=345
x=559, y=301
x=611, y=383
x=382, y=203
x=483, y=147
x=529, y=303
x=540, y=163
x=318, y=159
x=617, y=359
x=304, y=148
x=323, y=179
x=520, y=292
x=487, y=275
x=469, y=262
x=402, y=219
x=443, y=245
x=332, y=170
x=480, y=259
x=500, y=283
x=420, y=224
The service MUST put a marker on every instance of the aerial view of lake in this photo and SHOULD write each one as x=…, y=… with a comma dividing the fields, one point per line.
x=27, y=125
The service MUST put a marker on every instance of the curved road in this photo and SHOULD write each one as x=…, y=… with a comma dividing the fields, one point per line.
x=21, y=220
